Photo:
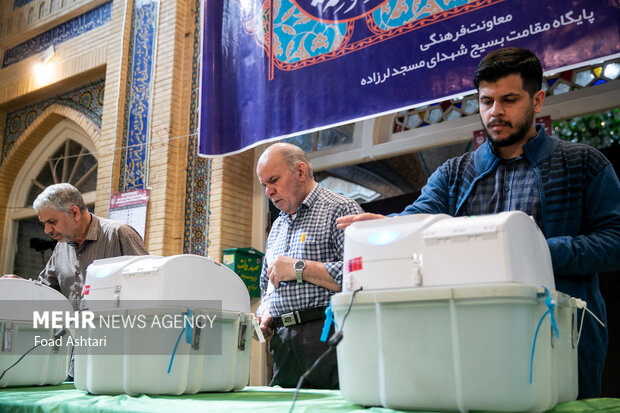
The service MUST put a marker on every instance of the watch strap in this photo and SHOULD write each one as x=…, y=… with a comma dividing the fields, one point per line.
x=299, y=272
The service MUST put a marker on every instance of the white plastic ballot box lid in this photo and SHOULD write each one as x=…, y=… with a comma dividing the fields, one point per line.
x=106, y=272
x=504, y=247
x=370, y=246
x=177, y=277
x=394, y=237
x=429, y=250
x=20, y=297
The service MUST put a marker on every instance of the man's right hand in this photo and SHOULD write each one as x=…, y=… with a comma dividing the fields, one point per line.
x=347, y=220
x=266, y=324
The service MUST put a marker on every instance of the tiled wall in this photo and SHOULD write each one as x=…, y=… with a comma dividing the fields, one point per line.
x=218, y=200
x=134, y=168
x=59, y=34
x=23, y=19
x=196, y=206
x=88, y=99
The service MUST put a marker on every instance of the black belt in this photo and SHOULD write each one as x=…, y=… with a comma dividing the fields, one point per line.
x=299, y=317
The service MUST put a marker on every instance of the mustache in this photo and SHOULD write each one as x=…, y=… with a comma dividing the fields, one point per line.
x=495, y=122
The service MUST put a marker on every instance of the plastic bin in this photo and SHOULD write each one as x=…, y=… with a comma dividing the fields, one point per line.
x=47, y=364
x=457, y=348
x=247, y=263
x=138, y=359
x=192, y=370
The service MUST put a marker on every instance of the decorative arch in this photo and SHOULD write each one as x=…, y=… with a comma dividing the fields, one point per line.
x=27, y=156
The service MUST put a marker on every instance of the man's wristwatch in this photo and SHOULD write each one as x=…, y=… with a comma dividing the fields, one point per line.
x=299, y=270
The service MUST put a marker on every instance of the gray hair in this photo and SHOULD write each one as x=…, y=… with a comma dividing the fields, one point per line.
x=59, y=197
x=291, y=155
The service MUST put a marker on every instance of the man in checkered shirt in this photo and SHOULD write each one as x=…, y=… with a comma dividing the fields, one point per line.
x=302, y=267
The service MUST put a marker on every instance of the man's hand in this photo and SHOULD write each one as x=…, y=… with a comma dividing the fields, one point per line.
x=347, y=220
x=11, y=276
x=266, y=324
x=282, y=269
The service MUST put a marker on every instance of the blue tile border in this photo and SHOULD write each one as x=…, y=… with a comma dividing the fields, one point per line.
x=59, y=34
x=20, y=3
x=140, y=90
x=198, y=184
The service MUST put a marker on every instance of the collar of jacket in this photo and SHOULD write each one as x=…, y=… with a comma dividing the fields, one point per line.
x=536, y=150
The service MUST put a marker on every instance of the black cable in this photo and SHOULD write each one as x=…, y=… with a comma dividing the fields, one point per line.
x=349, y=309
x=333, y=341
x=20, y=359
x=57, y=334
x=303, y=376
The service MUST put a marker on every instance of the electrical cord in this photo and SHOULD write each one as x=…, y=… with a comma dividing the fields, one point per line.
x=333, y=341
x=18, y=360
x=57, y=334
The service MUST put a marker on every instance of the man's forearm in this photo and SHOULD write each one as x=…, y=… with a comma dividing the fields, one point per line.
x=316, y=273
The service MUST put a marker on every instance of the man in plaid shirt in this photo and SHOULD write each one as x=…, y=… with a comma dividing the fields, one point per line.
x=302, y=267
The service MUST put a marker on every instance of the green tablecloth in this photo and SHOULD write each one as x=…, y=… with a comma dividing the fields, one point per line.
x=65, y=398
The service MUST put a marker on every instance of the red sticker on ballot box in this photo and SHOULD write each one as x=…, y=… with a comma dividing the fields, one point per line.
x=86, y=290
x=354, y=264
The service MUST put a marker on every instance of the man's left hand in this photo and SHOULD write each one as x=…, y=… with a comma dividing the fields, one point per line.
x=282, y=269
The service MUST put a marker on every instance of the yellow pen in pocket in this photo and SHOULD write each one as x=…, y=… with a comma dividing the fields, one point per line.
x=303, y=237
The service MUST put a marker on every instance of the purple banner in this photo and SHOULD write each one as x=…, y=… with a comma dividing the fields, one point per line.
x=272, y=68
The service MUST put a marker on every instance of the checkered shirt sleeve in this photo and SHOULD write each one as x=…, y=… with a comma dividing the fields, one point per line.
x=312, y=235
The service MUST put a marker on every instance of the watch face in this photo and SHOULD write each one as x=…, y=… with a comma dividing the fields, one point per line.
x=300, y=265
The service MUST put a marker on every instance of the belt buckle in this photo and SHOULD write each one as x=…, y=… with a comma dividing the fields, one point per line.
x=288, y=319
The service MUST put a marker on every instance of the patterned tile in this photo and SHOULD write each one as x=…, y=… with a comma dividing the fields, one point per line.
x=20, y=3
x=59, y=34
x=140, y=91
x=88, y=99
x=198, y=188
